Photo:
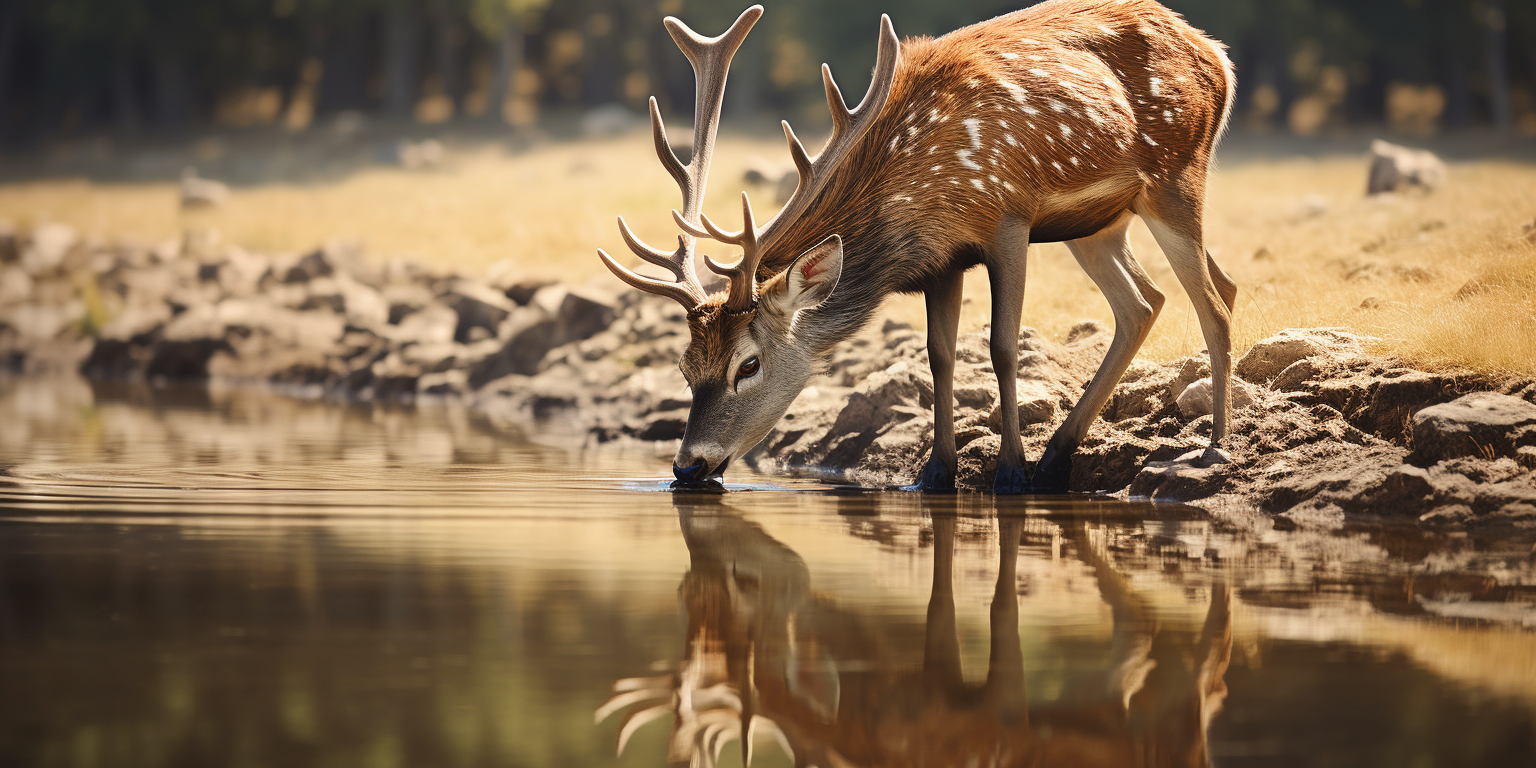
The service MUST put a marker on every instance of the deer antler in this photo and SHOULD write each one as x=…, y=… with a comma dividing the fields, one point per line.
x=711, y=60
x=848, y=127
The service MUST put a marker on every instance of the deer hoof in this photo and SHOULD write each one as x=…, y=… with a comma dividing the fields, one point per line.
x=1053, y=475
x=1011, y=480
x=935, y=478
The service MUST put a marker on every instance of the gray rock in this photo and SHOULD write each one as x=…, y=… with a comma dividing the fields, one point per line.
x=1486, y=424
x=1197, y=399
x=1267, y=359
x=312, y=265
x=1395, y=168
x=667, y=425
x=432, y=324
x=581, y=316
x=15, y=285
x=197, y=192
x=477, y=306
x=49, y=245
x=529, y=335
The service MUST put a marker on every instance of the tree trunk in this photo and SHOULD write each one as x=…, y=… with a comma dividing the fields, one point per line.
x=125, y=101
x=448, y=57
x=1458, y=93
x=1498, y=67
x=8, y=25
x=400, y=47
x=510, y=56
x=344, y=78
x=173, y=92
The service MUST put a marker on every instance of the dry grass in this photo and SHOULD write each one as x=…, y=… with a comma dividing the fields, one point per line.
x=1303, y=243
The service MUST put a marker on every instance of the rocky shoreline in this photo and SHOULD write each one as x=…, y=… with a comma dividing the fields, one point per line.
x=1324, y=431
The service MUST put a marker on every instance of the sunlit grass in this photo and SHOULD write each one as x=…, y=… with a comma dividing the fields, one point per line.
x=1305, y=245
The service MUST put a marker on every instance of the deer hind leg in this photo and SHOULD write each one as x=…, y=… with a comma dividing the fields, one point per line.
x=943, y=302
x=1135, y=300
x=1174, y=218
x=1006, y=259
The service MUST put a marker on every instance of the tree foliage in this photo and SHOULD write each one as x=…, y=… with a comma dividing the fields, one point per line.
x=127, y=65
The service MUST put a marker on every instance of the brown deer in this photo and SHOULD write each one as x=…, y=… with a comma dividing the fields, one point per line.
x=1053, y=123
x=767, y=656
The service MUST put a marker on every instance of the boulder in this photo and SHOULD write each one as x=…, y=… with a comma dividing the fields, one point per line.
x=1395, y=168
x=197, y=192
x=1481, y=424
x=432, y=324
x=1266, y=359
x=477, y=307
x=581, y=316
x=49, y=245
x=529, y=335
x=1197, y=399
x=15, y=285
x=315, y=264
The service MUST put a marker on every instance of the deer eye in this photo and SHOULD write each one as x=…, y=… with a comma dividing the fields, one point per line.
x=748, y=368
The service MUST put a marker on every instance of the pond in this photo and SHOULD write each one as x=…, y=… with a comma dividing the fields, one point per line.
x=199, y=577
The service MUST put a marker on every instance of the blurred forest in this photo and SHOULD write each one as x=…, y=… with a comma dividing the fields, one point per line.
x=129, y=68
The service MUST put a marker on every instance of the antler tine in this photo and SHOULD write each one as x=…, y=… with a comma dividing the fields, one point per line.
x=848, y=126
x=711, y=60
x=742, y=274
x=681, y=291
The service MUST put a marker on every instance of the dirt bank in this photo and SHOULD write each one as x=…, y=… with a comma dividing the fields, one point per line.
x=1324, y=431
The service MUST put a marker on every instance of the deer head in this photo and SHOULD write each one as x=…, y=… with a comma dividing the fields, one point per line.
x=744, y=362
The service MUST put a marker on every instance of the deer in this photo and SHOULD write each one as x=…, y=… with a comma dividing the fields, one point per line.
x=1057, y=123
x=765, y=656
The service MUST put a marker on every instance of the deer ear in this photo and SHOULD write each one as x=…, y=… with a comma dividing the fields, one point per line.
x=810, y=280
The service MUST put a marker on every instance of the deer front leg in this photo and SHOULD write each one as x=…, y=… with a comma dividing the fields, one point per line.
x=943, y=302
x=1004, y=688
x=1005, y=271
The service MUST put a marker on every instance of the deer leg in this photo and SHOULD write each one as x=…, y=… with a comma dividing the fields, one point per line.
x=1134, y=626
x=1225, y=285
x=1005, y=665
x=1006, y=260
x=1135, y=301
x=1175, y=223
x=943, y=302
x=941, y=644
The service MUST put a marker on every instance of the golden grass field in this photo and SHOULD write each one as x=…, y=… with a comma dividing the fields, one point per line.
x=1305, y=245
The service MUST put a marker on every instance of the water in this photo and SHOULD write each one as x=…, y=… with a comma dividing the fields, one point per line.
x=233, y=578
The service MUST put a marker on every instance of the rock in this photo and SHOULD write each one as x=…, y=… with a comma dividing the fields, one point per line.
x=581, y=316
x=1037, y=405
x=478, y=307
x=432, y=324
x=198, y=192
x=529, y=334
x=667, y=425
x=10, y=247
x=1266, y=359
x=48, y=247
x=43, y=321
x=1395, y=168
x=1486, y=424
x=1197, y=399
x=609, y=120
x=415, y=155
x=315, y=264
x=522, y=291
x=15, y=285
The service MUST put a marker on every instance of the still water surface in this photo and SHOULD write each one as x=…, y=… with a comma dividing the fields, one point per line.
x=196, y=578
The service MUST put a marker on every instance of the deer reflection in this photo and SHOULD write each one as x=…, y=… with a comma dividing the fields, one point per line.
x=765, y=656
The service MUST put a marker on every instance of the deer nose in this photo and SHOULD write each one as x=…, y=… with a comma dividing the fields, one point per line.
x=692, y=473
